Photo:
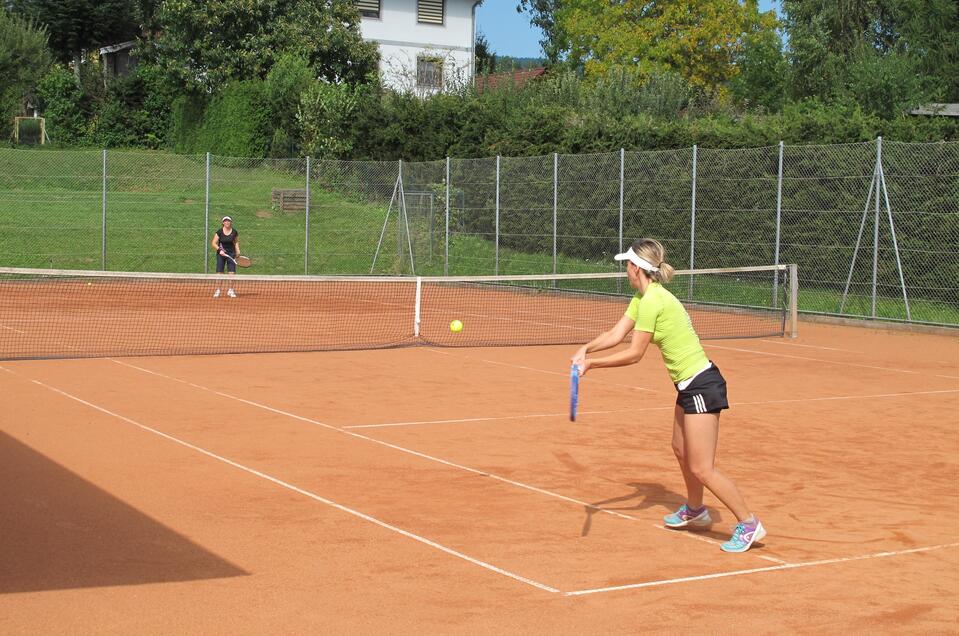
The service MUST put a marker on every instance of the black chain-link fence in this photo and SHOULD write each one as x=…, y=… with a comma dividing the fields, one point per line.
x=874, y=227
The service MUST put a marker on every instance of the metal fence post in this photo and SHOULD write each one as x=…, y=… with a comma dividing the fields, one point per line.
x=779, y=211
x=555, y=205
x=622, y=189
x=875, y=229
x=103, y=216
x=306, y=244
x=206, y=219
x=399, y=215
x=446, y=257
x=692, y=224
x=496, y=261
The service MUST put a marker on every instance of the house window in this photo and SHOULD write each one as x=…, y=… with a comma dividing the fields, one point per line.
x=429, y=72
x=368, y=8
x=429, y=11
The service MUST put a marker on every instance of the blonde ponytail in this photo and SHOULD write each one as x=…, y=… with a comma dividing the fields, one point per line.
x=653, y=252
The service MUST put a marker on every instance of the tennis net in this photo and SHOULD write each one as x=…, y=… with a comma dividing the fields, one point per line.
x=69, y=314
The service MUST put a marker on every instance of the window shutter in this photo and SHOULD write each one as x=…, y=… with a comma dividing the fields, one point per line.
x=429, y=11
x=368, y=8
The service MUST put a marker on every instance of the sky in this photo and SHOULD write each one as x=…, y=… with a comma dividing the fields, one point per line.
x=510, y=33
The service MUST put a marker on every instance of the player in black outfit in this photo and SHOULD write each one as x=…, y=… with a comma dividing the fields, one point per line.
x=226, y=242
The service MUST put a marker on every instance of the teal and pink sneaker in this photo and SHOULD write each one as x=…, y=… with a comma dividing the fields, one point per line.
x=686, y=517
x=744, y=535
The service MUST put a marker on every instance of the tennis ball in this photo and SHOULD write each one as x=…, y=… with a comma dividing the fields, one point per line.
x=89, y=283
x=456, y=326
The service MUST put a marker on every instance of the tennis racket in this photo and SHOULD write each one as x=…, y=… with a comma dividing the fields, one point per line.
x=239, y=261
x=573, y=392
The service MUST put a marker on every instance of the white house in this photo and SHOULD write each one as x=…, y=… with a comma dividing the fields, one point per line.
x=425, y=45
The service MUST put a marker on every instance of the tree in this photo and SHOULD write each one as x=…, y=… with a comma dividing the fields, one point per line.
x=543, y=16
x=24, y=59
x=485, y=57
x=207, y=44
x=908, y=48
x=763, y=72
x=78, y=25
x=699, y=39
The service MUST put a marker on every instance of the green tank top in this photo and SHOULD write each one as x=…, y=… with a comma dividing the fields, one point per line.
x=661, y=314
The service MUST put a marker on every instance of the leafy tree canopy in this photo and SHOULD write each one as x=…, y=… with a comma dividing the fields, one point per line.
x=210, y=43
x=699, y=39
x=78, y=25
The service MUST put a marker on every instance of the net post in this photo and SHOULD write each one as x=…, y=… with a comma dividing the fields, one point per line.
x=306, y=241
x=416, y=305
x=875, y=229
x=794, y=300
x=779, y=212
x=555, y=205
x=692, y=224
x=496, y=258
x=446, y=256
x=622, y=189
x=103, y=216
x=206, y=219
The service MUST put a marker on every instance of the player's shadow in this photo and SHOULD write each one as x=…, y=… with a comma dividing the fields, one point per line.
x=644, y=495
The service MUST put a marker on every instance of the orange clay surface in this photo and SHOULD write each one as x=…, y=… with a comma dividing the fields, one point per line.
x=428, y=491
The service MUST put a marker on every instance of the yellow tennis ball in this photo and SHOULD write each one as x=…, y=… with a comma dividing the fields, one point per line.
x=456, y=326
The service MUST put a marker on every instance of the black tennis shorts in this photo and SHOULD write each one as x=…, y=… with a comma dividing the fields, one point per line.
x=223, y=260
x=705, y=394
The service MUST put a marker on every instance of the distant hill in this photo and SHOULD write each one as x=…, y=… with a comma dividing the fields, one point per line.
x=506, y=63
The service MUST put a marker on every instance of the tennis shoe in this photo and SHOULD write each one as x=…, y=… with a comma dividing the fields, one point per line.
x=216, y=294
x=231, y=293
x=745, y=534
x=686, y=517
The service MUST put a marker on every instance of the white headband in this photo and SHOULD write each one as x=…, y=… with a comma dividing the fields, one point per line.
x=634, y=258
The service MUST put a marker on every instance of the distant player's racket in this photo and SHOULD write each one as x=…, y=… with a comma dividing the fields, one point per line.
x=573, y=392
x=240, y=261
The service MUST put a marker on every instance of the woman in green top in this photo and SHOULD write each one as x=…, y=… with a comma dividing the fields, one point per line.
x=655, y=315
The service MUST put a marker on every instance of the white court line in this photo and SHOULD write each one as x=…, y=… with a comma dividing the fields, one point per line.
x=408, y=451
x=649, y=408
x=492, y=419
x=562, y=373
x=12, y=329
x=773, y=568
x=838, y=362
x=808, y=346
x=296, y=489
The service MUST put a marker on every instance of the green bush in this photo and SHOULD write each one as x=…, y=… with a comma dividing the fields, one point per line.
x=186, y=119
x=237, y=122
x=64, y=107
x=136, y=110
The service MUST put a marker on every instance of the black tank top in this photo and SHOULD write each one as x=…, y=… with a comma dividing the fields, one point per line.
x=228, y=241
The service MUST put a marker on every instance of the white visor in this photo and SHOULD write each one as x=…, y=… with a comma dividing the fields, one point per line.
x=227, y=218
x=633, y=257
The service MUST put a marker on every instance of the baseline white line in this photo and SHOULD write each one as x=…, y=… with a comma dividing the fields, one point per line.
x=408, y=451
x=563, y=373
x=773, y=568
x=837, y=362
x=296, y=489
x=649, y=408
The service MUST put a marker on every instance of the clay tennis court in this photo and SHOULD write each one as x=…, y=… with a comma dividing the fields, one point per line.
x=443, y=490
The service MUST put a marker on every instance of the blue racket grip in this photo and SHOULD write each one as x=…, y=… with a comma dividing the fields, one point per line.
x=573, y=392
